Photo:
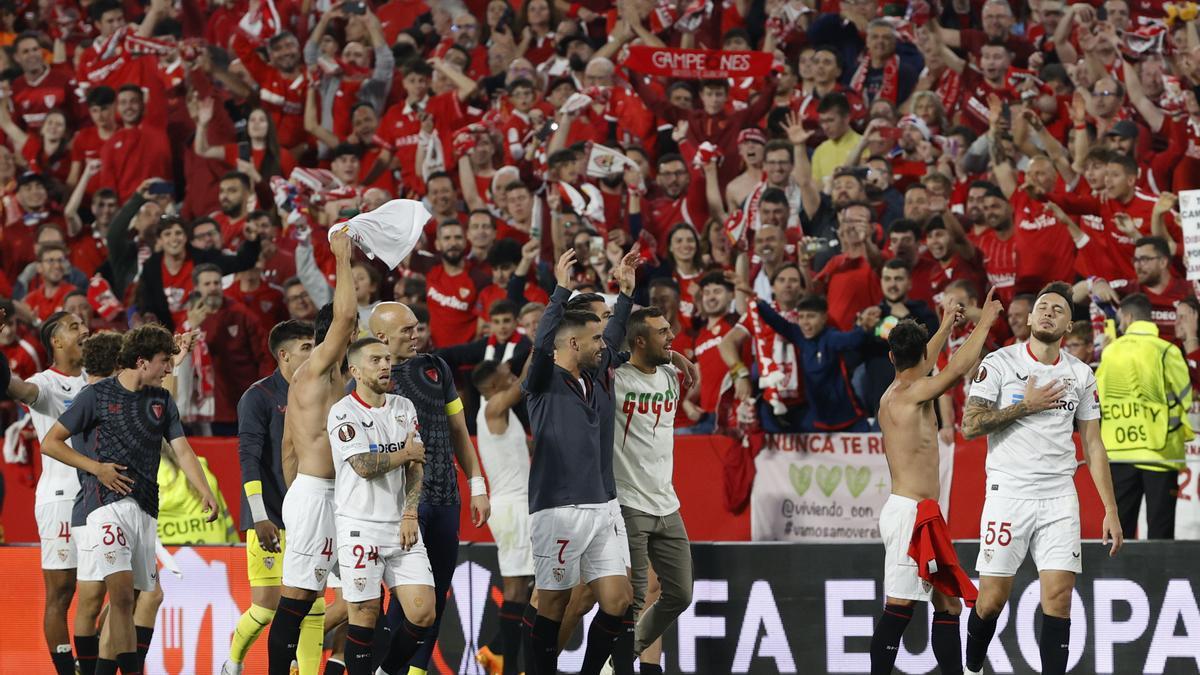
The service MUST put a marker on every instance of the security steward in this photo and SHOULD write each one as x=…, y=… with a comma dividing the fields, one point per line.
x=1145, y=393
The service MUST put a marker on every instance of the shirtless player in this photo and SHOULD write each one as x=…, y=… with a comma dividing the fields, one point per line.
x=308, y=466
x=912, y=454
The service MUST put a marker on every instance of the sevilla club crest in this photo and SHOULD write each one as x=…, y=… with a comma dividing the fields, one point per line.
x=157, y=409
x=432, y=374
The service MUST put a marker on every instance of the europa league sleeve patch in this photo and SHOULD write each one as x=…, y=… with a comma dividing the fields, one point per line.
x=345, y=432
x=981, y=375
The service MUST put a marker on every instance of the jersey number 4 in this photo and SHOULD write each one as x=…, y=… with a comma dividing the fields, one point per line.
x=64, y=531
x=1000, y=537
x=113, y=535
x=327, y=548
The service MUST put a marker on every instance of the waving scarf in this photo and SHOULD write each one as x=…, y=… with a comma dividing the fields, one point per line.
x=889, y=89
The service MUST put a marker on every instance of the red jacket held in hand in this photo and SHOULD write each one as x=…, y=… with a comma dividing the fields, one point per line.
x=937, y=562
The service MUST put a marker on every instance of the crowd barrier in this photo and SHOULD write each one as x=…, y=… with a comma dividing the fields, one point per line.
x=757, y=608
x=700, y=468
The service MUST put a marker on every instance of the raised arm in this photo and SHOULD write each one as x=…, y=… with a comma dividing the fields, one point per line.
x=465, y=85
x=626, y=276
x=312, y=120
x=328, y=355
x=810, y=194
x=200, y=144
x=1137, y=95
x=541, y=367
x=965, y=358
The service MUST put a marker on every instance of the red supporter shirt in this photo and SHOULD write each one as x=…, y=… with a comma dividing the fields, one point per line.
x=283, y=96
x=851, y=285
x=451, y=299
x=400, y=129
x=231, y=230
x=57, y=167
x=44, y=305
x=953, y=270
x=177, y=287
x=1045, y=249
x=708, y=360
x=24, y=359
x=88, y=251
x=33, y=99
x=1162, y=305
x=973, y=106
x=264, y=304
x=86, y=144
x=131, y=156
x=239, y=353
x=1000, y=262
x=663, y=213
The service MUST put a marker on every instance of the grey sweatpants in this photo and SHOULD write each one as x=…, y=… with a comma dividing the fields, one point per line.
x=663, y=541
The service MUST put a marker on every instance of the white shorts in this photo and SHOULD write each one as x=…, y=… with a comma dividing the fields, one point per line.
x=54, y=530
x=509, y=524
x=614, y=507
x=900, y=579
x=573, y=543
x=367, y=561
x=121, y=537
x=88, y=569
x=1047, y=529
x=311, y=534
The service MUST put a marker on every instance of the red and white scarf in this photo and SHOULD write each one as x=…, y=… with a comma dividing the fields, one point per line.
x=889, y=89
x=489, y=354
x=949, y=86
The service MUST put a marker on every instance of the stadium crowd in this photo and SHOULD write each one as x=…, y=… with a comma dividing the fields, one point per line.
x=181, y=163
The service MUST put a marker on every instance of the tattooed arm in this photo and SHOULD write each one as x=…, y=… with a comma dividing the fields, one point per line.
x=414, y=474
x=980, y=418
x=374, y=464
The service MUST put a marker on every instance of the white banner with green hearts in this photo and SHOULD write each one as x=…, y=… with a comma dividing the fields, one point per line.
x=819, y=487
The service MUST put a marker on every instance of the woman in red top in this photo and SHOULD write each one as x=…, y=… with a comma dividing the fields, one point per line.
x=535, y=25
x=684, y=264
x=260, y=149
x=48, y=152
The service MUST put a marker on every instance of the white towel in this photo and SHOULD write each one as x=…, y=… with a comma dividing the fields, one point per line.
x=390, y=232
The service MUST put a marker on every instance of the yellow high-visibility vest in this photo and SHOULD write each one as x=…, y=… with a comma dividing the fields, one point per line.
x=181, y=520
x=1145, y=392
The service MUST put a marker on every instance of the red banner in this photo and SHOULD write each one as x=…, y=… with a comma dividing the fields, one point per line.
x=697, y=64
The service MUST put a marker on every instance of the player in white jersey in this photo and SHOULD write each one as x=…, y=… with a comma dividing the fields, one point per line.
x=48, y=395
x=1027, y=399
x=643, y=463
x=372, y=434
x=504, y=451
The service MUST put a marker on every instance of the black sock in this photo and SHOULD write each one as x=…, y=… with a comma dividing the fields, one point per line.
x=285, y=634
x=1055, y=644
x=947, y=643
x=64, y=662
x=979, y=636
x=106, y=667
x=87, y=648
x=129, y=664
x=527, y=619
x=543, y=652
x=406, y=640
x=144, y=635
x=622, y=651
x=334, y=667
x=885, y=643
x=651, y=669
x=603, y=632
x=359, y=641
x=510, y=636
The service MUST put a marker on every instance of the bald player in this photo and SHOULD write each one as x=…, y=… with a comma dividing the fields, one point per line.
x=307, y=461
x=428, y=381
x=911, y=444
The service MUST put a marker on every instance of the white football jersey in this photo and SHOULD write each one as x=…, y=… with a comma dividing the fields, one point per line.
x=505, y=456
x=1034, y=457
x=56, y=393
x=376, y=504
x=644, y=443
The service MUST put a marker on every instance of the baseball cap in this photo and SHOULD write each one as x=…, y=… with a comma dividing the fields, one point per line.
x=1124, y=129
x=752, y=134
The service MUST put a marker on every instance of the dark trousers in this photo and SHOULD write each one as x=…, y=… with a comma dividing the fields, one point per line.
x=1160, y=488
x=439, y=532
